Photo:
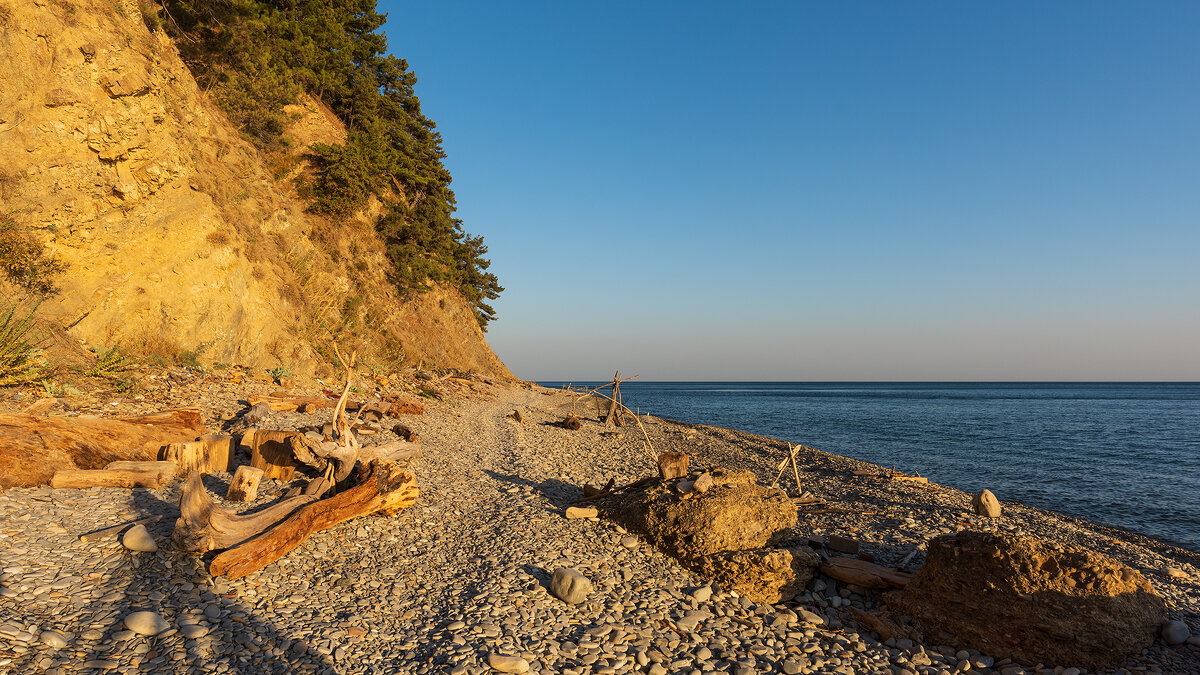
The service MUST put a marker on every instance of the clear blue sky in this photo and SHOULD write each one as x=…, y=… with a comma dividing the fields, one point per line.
x=826, y=191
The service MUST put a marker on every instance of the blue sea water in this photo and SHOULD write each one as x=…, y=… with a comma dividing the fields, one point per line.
x=1125, y=454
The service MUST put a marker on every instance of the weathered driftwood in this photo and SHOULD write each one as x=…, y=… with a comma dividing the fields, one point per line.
x=203, y=526
x=40, y=406
x=323, y=456
x=33, y=448
x=865, y=574
x=270, y=451
x=117, y=474
x=672, y=465
x=213, y=452
x=281, y=401
x=244, y=485
x=396, y=451
x=377, y=487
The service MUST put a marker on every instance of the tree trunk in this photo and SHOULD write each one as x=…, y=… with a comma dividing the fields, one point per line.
x=33, y=448
x=244, y=486
x=116, y=474
x=378, y=486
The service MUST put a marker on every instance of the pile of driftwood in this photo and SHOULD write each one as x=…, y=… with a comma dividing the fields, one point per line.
x=349, y=480
x=349, y=483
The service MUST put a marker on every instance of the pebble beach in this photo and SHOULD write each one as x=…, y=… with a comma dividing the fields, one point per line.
x=459, y=582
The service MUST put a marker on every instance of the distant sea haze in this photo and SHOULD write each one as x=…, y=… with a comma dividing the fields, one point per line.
x=1124, y=454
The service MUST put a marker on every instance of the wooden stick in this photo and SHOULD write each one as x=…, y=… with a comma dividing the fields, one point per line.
x=104, y=532
x=795, y=471
x=635, y=484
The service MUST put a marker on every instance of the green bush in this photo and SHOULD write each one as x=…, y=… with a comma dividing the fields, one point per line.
x=111, y=363
x=21, y=358
x=24, y=261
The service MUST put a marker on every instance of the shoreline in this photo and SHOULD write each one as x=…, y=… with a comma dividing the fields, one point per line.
x=462, y=574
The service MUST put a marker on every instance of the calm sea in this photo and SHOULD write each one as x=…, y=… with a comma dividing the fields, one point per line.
x=1119, y=454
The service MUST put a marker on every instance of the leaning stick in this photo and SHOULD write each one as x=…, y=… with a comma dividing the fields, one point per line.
x=795, y=471
x=100, y=534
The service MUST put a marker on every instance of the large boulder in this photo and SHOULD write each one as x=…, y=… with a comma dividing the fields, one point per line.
x=765, y=575
x=733, y=515
x=1031, y=601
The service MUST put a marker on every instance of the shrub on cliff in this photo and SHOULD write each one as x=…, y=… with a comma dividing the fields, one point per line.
x=24, y=261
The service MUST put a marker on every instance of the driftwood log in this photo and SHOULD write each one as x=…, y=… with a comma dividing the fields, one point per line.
x=865, y=574
x=281, y=401
x=203, y=526
x=213, y=452
x=244, y=486
x=117, y=474
x=33, y=448
x=377, y=487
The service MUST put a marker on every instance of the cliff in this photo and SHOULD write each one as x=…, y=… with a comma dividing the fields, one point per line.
x=179, y=237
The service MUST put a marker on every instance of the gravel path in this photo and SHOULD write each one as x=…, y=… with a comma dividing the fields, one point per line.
x=463, y=574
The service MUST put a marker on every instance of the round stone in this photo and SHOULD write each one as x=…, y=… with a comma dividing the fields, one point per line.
x=137, y=538
x=569, y=585
x=53, y=639
x=508, y=664
x=1175, y=632
x=146, y=623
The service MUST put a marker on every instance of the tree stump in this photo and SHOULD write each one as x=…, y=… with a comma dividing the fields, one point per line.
x=672, y=465
x=244, y=486
x=219, y=450
x=271, y=452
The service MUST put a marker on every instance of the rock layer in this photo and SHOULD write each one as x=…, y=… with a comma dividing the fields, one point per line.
x=765, y=575
x=1032, y=601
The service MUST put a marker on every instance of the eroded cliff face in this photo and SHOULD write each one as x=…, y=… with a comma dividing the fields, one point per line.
x=175, y=234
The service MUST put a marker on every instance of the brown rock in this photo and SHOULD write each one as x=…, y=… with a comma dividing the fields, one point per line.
x=726, y=518
x=401, y=406
x=765, y=575
x=124, y=84
x=986, y=504
x=1016, y=597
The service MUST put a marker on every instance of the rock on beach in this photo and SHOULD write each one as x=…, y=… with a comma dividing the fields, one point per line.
x=570, y=586
x=507, y=664
x=146, y=623
x=137, y=538
x=986, y=504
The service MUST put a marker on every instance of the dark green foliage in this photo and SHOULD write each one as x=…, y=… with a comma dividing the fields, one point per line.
x=256, y=56
x=150, y=16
